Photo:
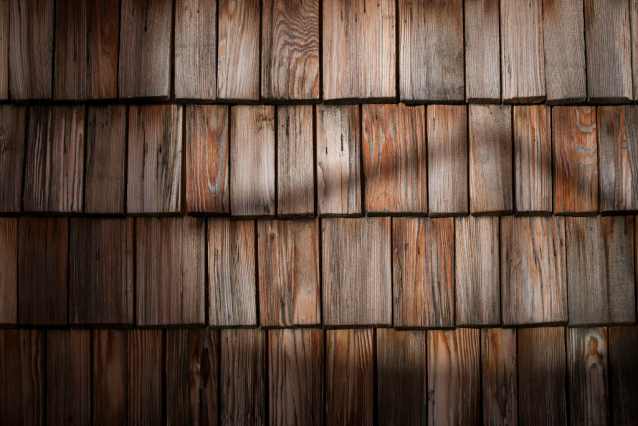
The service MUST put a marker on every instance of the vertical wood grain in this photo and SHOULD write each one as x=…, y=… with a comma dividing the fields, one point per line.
x=8, y=270
x=623, y=352
x=70, y=60
x=4, y=49
x=144, y=377
x=13, y=126
x=499, y=377
x=338, y=160
x=110, y=369
x=103, y=47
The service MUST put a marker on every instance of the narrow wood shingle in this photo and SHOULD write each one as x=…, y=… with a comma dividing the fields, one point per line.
x=109, y=377
x=4, y=49
x=13, y=125
x=144, y=377
x=498, y=376
x=8, y=270
x=623, y=352
x=103, y=47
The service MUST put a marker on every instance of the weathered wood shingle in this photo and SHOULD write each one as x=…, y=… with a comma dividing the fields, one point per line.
x=482, y=51
x=499, y=376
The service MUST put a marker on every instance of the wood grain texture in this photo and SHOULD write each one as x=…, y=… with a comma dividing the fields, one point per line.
x=13, y=124
x=447, y=160
x=43, y=290
x=22, y=385
x=522, y=53
x=238, y=50
x=8, y=270
x=290, y=50
x=608, y=41
x=31, y=33
x=54, y=167
x=196, y=50
x=144, y=377
x=252, y=160
x=295, y=161
x=491, y=174
x=401, y=377
x=423, y=272
x=349, y=379
x=575, y=150
x=532, y=159
x=109, y=377
x=154, y=159
x=359, y=50
x=533, y=270
x=232, y=286
x=394, y=159
x=4, y=49
x=564, y=45
x=498, y=376
x=542, y=375
x=192, y=377
x=431, y=66
x=477, y=271
x=71, y=50
x=600, y=270
x=103, y=47
x=68, y=377
x=289, y=285
x=618, y=139
x=357, y=271
x=101, y=287
x=105, y=186
x=243, y=377
x=454, y=378
x=295, y=377
x=587, y=359
x=338, y=160
x=482, y=53
x=170, y=271
x=207, y=186
x=145, y=49
x=623, y=352
x=633, y=11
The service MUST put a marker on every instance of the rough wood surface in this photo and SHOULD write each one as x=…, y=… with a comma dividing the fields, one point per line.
x=22, y=385
x=477, y=271
x=171, y=273
x=13, y=124
x=8, y=270
x=401, y=377
x=491, y=174
x=238, y=50
x=423, y=265
x=68, y=377
x=522, y=54
x=232, y=286
x=357, y=271
x=575, y=154
x=206, y=138
x=295, y=161
x=109, y=377
x=533, y=270
x=564, y=44
x=541, y=376
x=70, y=60
x=600, y=270
x=608, y=41
x=394, y=159
x=623, y=352
x=105, y=187
x=618, y=139
x=290, y=50
x=145, y=49
x=498, y=376
x=295, y=377
x=243, y=377
x=144, y=377
x=43, y=290
x=54, y=167
x=4, y=49
x=454, y=381
x=101, y=287
x=289, y=286
x=587, y=359
x=102, y=48
x=482, y=53
x=252, y=160
x=192, y=377
x=196, y=49
x=154, y=159
x=359, y=50
x=350, y=365
x=532, y=159
x=338, y=160
x=447, y=160
x=31, y=49
x=431, y=66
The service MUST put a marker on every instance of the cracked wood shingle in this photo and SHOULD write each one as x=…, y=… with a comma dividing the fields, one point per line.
x=13, y=125
x=482, y=51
